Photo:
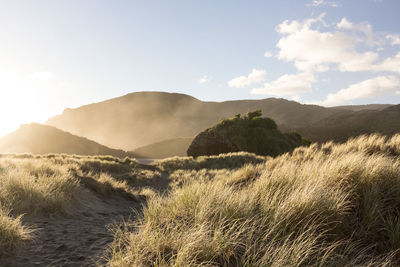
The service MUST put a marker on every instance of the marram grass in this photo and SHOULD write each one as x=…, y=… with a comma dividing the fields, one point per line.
x=31, y=185
x=12, y=232
x=323, y=205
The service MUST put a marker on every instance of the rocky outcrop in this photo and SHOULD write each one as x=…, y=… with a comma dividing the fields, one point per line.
x=250, y=133
x=209, y=143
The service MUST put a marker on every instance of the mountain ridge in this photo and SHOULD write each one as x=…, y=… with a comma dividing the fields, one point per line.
x=142, y=118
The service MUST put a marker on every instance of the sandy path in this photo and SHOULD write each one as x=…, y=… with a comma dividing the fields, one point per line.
x=76, y=240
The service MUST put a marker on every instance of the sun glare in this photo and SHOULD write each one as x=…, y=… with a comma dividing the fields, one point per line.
x=19, y=100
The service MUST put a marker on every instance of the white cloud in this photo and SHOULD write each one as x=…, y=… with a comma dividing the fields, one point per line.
x=313, y=50
x=41, y=76
x=312, y=45
x=345, y=24
x=288, y=84
x=391, y=64
x=366, y=89
x=324, y=3
x=288, y=27
x=256, y=76
x=204, y=79
x=268, y=54
x=319, y=51
x=394, y=38
x=363, y=27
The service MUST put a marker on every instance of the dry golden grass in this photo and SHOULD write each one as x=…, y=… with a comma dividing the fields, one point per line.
x=32, y=185
x=325, y=205
x=12, y=232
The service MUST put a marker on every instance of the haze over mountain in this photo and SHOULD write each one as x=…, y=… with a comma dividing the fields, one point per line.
x=139, y=119
x=164, y=149
x=43, y=139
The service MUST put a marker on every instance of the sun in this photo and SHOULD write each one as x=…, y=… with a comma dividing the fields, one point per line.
x=19, y=100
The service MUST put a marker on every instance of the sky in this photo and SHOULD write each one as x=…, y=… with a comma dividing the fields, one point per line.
x=68, y=53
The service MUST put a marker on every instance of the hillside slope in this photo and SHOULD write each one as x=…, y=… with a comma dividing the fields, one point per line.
x=139, y=119
x=340, y=127
x=43, y=139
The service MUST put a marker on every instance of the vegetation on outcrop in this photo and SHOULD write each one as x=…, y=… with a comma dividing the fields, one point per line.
x=250, y=133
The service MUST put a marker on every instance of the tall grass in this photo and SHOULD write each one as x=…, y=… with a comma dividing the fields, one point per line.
x=12, y=232
x=323, y=205
x=32, y=185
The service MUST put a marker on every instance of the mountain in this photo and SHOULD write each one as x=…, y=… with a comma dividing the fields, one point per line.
x=143, y=118
x=340, y=127
x=43, y=139
x=164, y=149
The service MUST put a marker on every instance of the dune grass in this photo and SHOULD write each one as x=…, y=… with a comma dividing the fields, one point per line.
x=29, y=187
x=323, y=205
x=32, y=185
x=12, y=232
x=222, y=161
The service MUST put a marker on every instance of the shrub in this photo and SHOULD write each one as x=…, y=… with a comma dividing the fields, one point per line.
x=251, y=133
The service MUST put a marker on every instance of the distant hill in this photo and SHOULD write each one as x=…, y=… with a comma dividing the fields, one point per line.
x=340, y=127
x=43, y=139
x=164, y=149
x=143, y=118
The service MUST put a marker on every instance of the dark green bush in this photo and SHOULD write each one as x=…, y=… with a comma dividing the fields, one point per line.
x=250, y=133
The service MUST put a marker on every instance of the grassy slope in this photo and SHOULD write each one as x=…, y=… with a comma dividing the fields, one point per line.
x=43, y=139
x=328, y=205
